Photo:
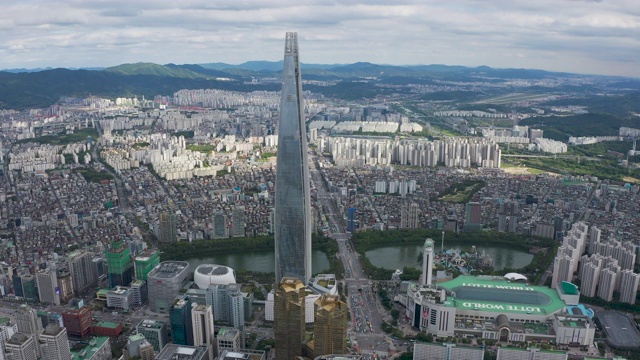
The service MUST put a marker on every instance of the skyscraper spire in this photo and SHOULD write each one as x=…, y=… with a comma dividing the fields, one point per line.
x=292, y=199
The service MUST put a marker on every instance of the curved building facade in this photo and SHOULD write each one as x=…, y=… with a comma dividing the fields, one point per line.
x=292, y=197
x=209, y=274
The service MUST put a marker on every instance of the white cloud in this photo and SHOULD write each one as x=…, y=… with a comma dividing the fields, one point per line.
x=579, y=36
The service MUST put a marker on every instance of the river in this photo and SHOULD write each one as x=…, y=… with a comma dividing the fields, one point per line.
x=398, y=256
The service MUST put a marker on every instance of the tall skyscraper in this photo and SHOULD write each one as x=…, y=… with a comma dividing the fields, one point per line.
x=202, y=323
x=427, y=262
x=237, y=218
x=21, y=347
x=181, y=323
x=145, y=262
x=119, y=264
x=351, y=219
x=55, y=343
x=48, y=290
x=82, y=271
x=292, y=198
x=330, y=326
x=288, y=322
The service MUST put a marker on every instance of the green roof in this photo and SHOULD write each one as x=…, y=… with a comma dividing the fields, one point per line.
x=569, y=288
x=103, y=292
x=494, y=294
x=107, y=324
x=92, y=347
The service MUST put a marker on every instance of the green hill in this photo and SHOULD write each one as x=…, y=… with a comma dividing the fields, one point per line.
x=154, y=69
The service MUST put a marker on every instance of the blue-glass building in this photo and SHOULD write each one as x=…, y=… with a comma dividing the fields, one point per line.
x=351, y=219
x=180, y=318
x=292, y=198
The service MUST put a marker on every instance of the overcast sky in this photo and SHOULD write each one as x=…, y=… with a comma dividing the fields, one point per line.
x=595, y=37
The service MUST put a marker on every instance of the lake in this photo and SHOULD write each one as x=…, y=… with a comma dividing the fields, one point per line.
x=398, y=256
x=263, y=261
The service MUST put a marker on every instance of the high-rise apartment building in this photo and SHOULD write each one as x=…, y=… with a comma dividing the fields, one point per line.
x=473, y=217
x=164, y=282
x=289, y=314
x=590, y=274
x=181, y=323
x=220, y=229
x=168, y=232
x=55, y=343
x=119, y=264
x=292, y=197
x=330, y=326
x=237, y=218
x=82, y=271
x=628, y=286
x=203, y=332
x=409, y=216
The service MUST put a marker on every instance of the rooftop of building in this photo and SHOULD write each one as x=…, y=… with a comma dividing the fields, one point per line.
x=136, y=337
x=169, y=269
x=52, y=330
x=329, y=302
x=137, y=283
x=227, y=331
x=183, y=352
x=211, y=269
x=18, y=339
x=152, y=324
x=291, y=284
x=90, y=348
x=118, y=290
x=532, y=349
x=498, y=295
x=145, y=256
x=107, y=324
x=243, y=354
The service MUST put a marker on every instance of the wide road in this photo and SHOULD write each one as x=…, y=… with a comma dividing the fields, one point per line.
x=365, y=328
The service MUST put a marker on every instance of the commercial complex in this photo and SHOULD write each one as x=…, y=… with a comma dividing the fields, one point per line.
x=422, y=351
x=168, y=230
x=330, y=326
x=500, y=309
x=289, y=313
x=164, y=282
x=292, y=197
x=206, y=275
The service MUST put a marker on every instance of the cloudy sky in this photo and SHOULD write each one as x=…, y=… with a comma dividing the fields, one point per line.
x=595, y=37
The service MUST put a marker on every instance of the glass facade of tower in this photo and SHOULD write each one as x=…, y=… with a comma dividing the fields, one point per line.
x=292, y=198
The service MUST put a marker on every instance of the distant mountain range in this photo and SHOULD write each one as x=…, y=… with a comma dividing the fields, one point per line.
x=29, y=88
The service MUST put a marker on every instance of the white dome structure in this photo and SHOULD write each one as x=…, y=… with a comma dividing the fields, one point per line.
x=515, y=277
x=209, y=274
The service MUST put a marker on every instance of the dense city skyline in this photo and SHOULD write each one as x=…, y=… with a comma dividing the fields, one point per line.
x=578, y=36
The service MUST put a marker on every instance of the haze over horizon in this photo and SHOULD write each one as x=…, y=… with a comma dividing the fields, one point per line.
x=579, y=36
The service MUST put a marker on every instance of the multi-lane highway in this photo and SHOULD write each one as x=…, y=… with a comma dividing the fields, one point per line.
x=365, y=329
